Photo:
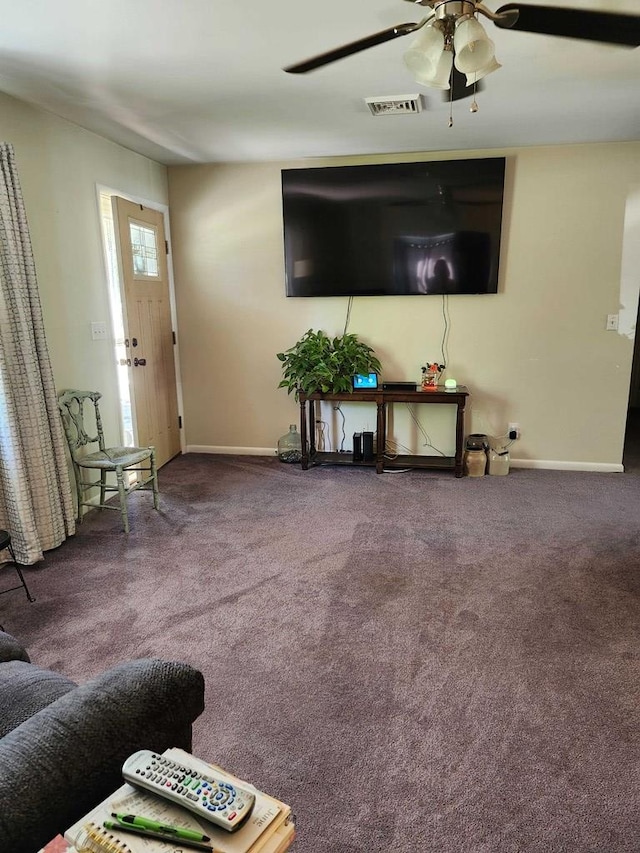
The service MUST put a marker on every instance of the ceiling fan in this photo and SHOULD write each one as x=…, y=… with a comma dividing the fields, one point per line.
x=452, y=42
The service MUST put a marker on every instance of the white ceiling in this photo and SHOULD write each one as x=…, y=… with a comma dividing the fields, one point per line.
x=189, y=81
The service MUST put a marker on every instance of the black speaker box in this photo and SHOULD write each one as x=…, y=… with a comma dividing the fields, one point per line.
x=399, y=386
x=357, y=447
x=367, y=446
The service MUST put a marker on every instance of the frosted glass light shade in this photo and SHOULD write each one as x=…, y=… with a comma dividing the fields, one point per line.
x=474, y=49
x=493, y=65
x=425, y=51
x=442, y=76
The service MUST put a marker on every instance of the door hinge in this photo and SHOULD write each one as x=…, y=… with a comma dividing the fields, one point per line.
x=174, y=337
x=179, y=421
x=166, y=247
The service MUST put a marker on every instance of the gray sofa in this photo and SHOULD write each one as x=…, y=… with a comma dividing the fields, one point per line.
x=62, y=745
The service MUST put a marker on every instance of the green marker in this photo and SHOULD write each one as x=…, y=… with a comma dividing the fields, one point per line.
x=153, y=829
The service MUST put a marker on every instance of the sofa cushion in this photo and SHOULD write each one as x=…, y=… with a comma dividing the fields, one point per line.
x=26, y=689
x=11, y=649
x=68, y=757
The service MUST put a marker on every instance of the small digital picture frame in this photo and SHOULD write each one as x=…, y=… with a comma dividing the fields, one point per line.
x=365, y=381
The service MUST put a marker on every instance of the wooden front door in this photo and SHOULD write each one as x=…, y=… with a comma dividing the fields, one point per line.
x=142, y=257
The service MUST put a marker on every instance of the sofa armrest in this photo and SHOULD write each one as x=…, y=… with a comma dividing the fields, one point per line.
x=11, y=649
x=64, y=760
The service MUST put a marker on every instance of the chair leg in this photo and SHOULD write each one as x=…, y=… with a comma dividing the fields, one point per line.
x=79, y=491
x=154, y=478
x=19, y=571
x=24, y=583
x=123, y=498
x=103, y=483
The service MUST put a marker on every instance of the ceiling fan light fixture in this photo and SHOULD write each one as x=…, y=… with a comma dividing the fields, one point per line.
x=425, y=51
x=441, y=78
x=491, y=66
x=473, y=47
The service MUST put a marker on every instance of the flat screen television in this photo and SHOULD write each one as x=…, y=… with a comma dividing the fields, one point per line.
x=393, y=229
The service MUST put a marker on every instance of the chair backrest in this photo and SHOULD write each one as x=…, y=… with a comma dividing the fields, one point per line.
x=76, y=420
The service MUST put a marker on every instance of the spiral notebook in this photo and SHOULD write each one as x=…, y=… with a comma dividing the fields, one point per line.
x=93, y=838
x=96, y=839
x=268, y=816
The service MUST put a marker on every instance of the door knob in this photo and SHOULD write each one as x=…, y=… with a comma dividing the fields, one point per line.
x=139, y=362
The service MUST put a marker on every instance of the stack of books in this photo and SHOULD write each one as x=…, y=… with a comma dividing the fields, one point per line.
x=269, y=829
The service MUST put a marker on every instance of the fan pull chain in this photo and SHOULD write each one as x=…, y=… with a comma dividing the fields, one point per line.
x=474, y=106
x=451, y=99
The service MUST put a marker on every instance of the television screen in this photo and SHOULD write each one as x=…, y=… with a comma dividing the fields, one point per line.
x=393, y=229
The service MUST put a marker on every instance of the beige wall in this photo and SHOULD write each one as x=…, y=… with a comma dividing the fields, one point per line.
x=60, y=166
x=536, y=353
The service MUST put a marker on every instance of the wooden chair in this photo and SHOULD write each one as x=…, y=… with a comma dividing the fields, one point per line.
x=119, y=460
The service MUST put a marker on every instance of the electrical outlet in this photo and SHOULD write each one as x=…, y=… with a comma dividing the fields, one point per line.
x=98, y=331
x=514, y=431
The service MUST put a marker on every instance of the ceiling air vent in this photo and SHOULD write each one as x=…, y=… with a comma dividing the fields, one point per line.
x=395, y=105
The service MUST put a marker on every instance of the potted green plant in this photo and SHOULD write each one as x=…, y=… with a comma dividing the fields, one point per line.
x=320, y=363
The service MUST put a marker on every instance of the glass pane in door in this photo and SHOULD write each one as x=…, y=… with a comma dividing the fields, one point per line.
x=144, y=248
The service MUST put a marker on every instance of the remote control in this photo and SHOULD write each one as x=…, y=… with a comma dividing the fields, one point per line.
x=211, y=798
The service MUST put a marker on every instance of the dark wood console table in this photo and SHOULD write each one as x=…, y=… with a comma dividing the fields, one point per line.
x=440, y=395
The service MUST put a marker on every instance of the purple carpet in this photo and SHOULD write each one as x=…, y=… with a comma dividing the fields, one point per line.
x=413, y=662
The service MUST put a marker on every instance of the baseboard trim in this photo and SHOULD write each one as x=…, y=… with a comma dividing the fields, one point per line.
x=560, y=465
x=231, y=451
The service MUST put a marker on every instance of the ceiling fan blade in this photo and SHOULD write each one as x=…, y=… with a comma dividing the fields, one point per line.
x=353, y=47
x=608, y=27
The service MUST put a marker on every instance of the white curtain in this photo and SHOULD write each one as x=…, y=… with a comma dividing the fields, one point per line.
x=36, y=506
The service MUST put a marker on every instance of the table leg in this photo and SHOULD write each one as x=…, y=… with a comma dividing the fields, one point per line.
x=312, y=430
x=303, y=435
x=459, y=437
x=381, y=436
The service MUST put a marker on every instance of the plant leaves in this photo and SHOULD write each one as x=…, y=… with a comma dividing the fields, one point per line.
x=317, y=361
